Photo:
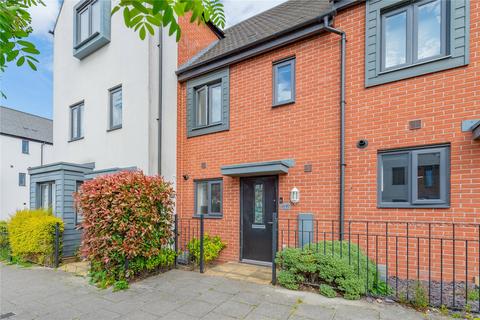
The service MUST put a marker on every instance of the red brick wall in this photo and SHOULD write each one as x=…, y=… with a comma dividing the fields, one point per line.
x=308, y=131
x=194, y=38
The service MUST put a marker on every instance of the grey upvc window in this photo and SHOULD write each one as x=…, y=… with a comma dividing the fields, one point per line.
x=25, y=147
x=116, y=108
x=46, y=192
x=414, y=33
x=208, y=197
x=76, y=121
x=409, y=38
x=88, y=21
x=414, y=177
x=284, y=82
x=22, y=179
x=208, y=103
x=78, y=212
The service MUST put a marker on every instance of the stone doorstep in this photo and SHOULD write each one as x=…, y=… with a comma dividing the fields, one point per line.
x=241, y=271
x=78, y=268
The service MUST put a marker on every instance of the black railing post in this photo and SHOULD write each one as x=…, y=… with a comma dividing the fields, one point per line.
x=175, y=225
x=57, y=245
x=274, y=247
x=202, y=262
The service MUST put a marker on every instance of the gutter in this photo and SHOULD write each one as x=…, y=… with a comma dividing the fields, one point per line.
x=343, y=41
x=160, y=98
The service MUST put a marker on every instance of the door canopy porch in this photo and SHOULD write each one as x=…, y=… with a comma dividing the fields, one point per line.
x=258, y=168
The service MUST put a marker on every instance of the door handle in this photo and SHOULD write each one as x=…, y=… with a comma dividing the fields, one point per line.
x=270, y=222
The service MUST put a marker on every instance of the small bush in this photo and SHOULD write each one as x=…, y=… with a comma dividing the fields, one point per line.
x=289, y=280
x=420, y=299
x=128, y=225
x=32, y=235
x=327, y=291
x=323, y=263
x=4, y=245
x=120, y=285
x=212, y=246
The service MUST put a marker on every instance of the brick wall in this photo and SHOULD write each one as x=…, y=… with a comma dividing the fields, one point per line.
x=308, y=131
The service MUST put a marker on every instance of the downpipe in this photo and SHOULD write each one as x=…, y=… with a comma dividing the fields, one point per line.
x=343, y=41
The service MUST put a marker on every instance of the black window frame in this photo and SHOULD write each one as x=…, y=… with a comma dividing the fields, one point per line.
x=209, y=183
x=22, y=179
x=411, y=9
x=25, y=146
x=112, y=91
x=413, y=201
x=291, y=61
x=79, y=134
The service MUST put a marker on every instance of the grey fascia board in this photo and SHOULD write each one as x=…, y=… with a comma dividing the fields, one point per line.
x=233, y=57
x=258, y=168
x=476, y=131
x=60, y=166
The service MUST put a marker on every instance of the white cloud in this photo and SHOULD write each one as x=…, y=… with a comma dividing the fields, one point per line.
x=238, y=10
x=43, y=17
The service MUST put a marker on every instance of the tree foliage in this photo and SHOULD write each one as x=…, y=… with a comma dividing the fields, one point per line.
x=144, y=15
x=15, y=27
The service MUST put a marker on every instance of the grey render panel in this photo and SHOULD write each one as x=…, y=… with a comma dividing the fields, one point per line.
x=258, y=168
x=65, y=176
x=458, y=32
x=98, y=39
x=305, y=229
x=222, y=75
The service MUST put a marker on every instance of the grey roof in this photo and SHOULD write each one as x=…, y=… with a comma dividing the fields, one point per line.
x=25, y=125
x=261, y=27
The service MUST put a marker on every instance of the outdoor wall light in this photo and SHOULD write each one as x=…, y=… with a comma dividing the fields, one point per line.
x=294, y=195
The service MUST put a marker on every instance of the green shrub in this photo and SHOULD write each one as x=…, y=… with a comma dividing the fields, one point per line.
x=211, y=248
x=322, y=263
x=4, y=245
x=327, y=291
x=420, y=299
x=120, y=285
x=289, y=279
x=32, y=235
x=127, y=226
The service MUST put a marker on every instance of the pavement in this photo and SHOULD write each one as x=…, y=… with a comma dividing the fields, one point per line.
x=42, y=293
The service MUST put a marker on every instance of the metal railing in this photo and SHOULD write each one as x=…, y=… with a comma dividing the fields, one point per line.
x=188, y=230
x=442, y=258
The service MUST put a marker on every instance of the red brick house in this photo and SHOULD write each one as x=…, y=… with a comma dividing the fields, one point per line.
x=261, y=121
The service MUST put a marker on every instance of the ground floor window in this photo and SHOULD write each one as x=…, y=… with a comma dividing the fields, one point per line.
x=46, y=195
x=414, y=177
x=208, y=197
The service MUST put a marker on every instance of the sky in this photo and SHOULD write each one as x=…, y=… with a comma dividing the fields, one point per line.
x=31, y=91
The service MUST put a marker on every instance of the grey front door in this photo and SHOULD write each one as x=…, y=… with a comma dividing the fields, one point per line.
x=258, y=203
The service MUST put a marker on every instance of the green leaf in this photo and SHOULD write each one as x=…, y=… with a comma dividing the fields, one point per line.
x=168, y=17
x=126, y=16
x=142, y=33
x=155, y=20
x=20, y=61
x=26, y=44
x=31, y=50
x=12, y=55
x=115, y=10
x=32, y=65
x=179, y=32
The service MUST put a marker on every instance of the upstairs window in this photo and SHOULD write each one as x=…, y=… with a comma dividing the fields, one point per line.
x=414, y=177
x=91, y=26
x=208, y=109
x=284, y=82
x=116, y=107
x=414, y=33
x=76, y=122
x=25, y=147
x=22, y=179
x=208, y=197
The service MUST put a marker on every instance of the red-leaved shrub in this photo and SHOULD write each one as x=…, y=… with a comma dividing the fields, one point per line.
x=127, y=217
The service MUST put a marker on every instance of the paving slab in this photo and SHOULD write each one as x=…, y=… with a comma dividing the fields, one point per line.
x=42, y=293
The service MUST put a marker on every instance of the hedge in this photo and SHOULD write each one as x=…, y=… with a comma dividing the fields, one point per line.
x=32, y=236
x=128, y=226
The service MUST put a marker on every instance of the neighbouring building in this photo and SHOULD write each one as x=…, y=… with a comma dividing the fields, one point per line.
x=25, y=141
x=114, y=106
x=267, y=125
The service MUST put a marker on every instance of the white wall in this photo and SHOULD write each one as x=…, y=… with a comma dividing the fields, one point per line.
x=126, y=60
x=12, y=161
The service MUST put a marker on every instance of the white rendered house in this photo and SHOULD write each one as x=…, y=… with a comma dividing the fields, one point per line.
x=25, y=141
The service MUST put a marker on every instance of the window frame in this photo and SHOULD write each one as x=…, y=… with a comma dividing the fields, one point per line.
x=77, y=212
x=80, y=115
x=208, y=89
x=413, y=201
x=111, y=91
x=209, y=183
x=411, y=10
x=22, y=175
x=276, y=65
x=25, y=150
x=51, y=194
